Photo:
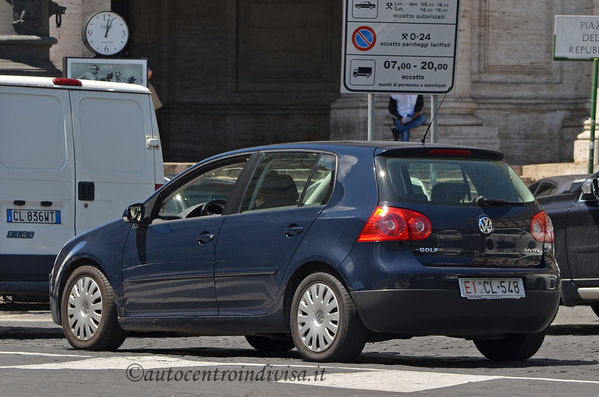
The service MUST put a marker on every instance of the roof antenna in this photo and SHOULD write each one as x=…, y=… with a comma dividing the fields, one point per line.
x=434, y=115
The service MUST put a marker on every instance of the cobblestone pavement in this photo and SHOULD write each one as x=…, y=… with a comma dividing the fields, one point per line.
x=35, y=357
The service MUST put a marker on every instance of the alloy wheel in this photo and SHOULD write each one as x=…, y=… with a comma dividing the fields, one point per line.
x=318, y=317
x=84, y=308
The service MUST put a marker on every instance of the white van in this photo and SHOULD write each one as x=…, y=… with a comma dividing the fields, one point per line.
x=73, y=155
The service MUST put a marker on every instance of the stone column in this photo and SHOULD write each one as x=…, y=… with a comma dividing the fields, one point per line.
x=24, y=37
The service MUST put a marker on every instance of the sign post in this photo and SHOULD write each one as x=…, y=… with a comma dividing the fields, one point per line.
x=577, y=39
x=399, y=46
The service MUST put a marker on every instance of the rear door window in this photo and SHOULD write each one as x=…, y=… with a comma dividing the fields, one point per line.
x=448, y=181
x=285, y=180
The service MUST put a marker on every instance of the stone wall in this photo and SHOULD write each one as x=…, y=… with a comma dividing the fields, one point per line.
x=70, y=43
x=239, y=73
x=234, y=73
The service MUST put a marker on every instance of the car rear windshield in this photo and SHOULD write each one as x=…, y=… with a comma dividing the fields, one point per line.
x=449, y=181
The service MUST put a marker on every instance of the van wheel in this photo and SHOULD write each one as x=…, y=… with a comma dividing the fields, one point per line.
x=324, y=322
x=595, y=307
x=275, y=344
x=88, y=311
x=515, y=347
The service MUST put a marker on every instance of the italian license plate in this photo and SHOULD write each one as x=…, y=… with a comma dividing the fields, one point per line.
x=492, y=288
x=33, y=216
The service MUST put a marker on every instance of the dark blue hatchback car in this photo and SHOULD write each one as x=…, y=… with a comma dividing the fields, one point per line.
x=321, y=246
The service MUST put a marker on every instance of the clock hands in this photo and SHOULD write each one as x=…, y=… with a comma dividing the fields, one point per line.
x=108, y=25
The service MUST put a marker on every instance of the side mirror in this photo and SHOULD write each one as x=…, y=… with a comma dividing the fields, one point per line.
x=135, y=214
x=590, y=189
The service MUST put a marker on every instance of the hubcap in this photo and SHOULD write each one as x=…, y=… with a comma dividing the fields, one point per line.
x=84, y=308
x=318, y=317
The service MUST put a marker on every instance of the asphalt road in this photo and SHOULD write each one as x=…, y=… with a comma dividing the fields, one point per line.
x=35, y=359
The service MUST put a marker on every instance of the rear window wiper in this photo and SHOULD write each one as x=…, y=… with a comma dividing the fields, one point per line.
x=483, y=201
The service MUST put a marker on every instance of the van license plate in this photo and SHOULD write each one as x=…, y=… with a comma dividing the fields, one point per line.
x=492, y=288
x=33, y=216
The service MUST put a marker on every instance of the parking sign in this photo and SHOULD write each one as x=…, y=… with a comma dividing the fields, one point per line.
x=399, y=46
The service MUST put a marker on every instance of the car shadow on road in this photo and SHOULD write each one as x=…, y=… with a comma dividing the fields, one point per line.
x=24, y=333
x=465, y=362
x=378, y=358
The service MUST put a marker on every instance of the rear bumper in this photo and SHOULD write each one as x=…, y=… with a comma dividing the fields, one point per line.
x=414, y=312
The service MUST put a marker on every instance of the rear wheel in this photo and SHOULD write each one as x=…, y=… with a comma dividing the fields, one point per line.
x=274, y=344
x=515, y=347
x=324, y=322
x=595, y=307
x=88, y=311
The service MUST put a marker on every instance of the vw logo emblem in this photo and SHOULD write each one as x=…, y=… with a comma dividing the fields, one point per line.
x=485, y=225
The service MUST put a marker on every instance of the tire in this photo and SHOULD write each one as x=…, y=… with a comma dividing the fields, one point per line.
x=595, y=307
x=515, y=347
x=88, y=311
x=276, y=344
x=325, y=332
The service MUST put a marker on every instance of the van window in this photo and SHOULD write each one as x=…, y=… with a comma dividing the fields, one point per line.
x=115, y=127
x=28, y=140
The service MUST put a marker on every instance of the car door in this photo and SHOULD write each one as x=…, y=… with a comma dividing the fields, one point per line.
x=168, y=265
x=285, y=194
x=582, y=237
x=115, y=164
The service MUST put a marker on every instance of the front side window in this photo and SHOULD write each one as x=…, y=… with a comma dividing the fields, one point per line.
x=449, y=181
x=286, y=180
x=206, y=194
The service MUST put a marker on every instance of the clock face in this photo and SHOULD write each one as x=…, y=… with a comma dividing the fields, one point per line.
x=105, y=33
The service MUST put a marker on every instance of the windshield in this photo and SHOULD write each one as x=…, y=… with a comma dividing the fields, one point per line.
x=449, y=181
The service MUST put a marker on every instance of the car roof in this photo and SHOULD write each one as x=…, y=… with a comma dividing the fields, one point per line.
x=407, y=149
x=379, y=146
x=48, y=82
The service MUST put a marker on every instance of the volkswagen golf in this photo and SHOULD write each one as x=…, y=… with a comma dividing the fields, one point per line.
x=321, y=246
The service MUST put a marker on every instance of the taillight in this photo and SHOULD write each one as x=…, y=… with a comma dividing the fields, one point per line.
x=158, y=186
x=65, y=81
x=392, y=224
x=541, y=228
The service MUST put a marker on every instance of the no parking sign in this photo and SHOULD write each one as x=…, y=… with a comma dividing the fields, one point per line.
x=399, y=46
x=364, y=38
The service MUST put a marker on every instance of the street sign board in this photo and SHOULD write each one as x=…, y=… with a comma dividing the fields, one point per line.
x=399, y=46
x=576, y=37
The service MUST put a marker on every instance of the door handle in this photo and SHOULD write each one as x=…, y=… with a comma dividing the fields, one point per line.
x=86, y=191
x=293, y=230
x=205, y=237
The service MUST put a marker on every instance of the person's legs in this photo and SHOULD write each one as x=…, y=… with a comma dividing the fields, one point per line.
x=405, y=135
x=395, y=130
x=405, y=128
x=417, y=122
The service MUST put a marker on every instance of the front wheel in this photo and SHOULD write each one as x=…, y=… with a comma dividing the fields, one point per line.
x=595, y=307
x=324, y=322
x=88, y=311
x=515, y=347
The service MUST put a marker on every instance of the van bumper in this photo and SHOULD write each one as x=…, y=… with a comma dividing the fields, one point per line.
x=25, y=275
x=415, y=312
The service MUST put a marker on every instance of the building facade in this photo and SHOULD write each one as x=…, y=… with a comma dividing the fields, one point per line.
x=235, y=73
